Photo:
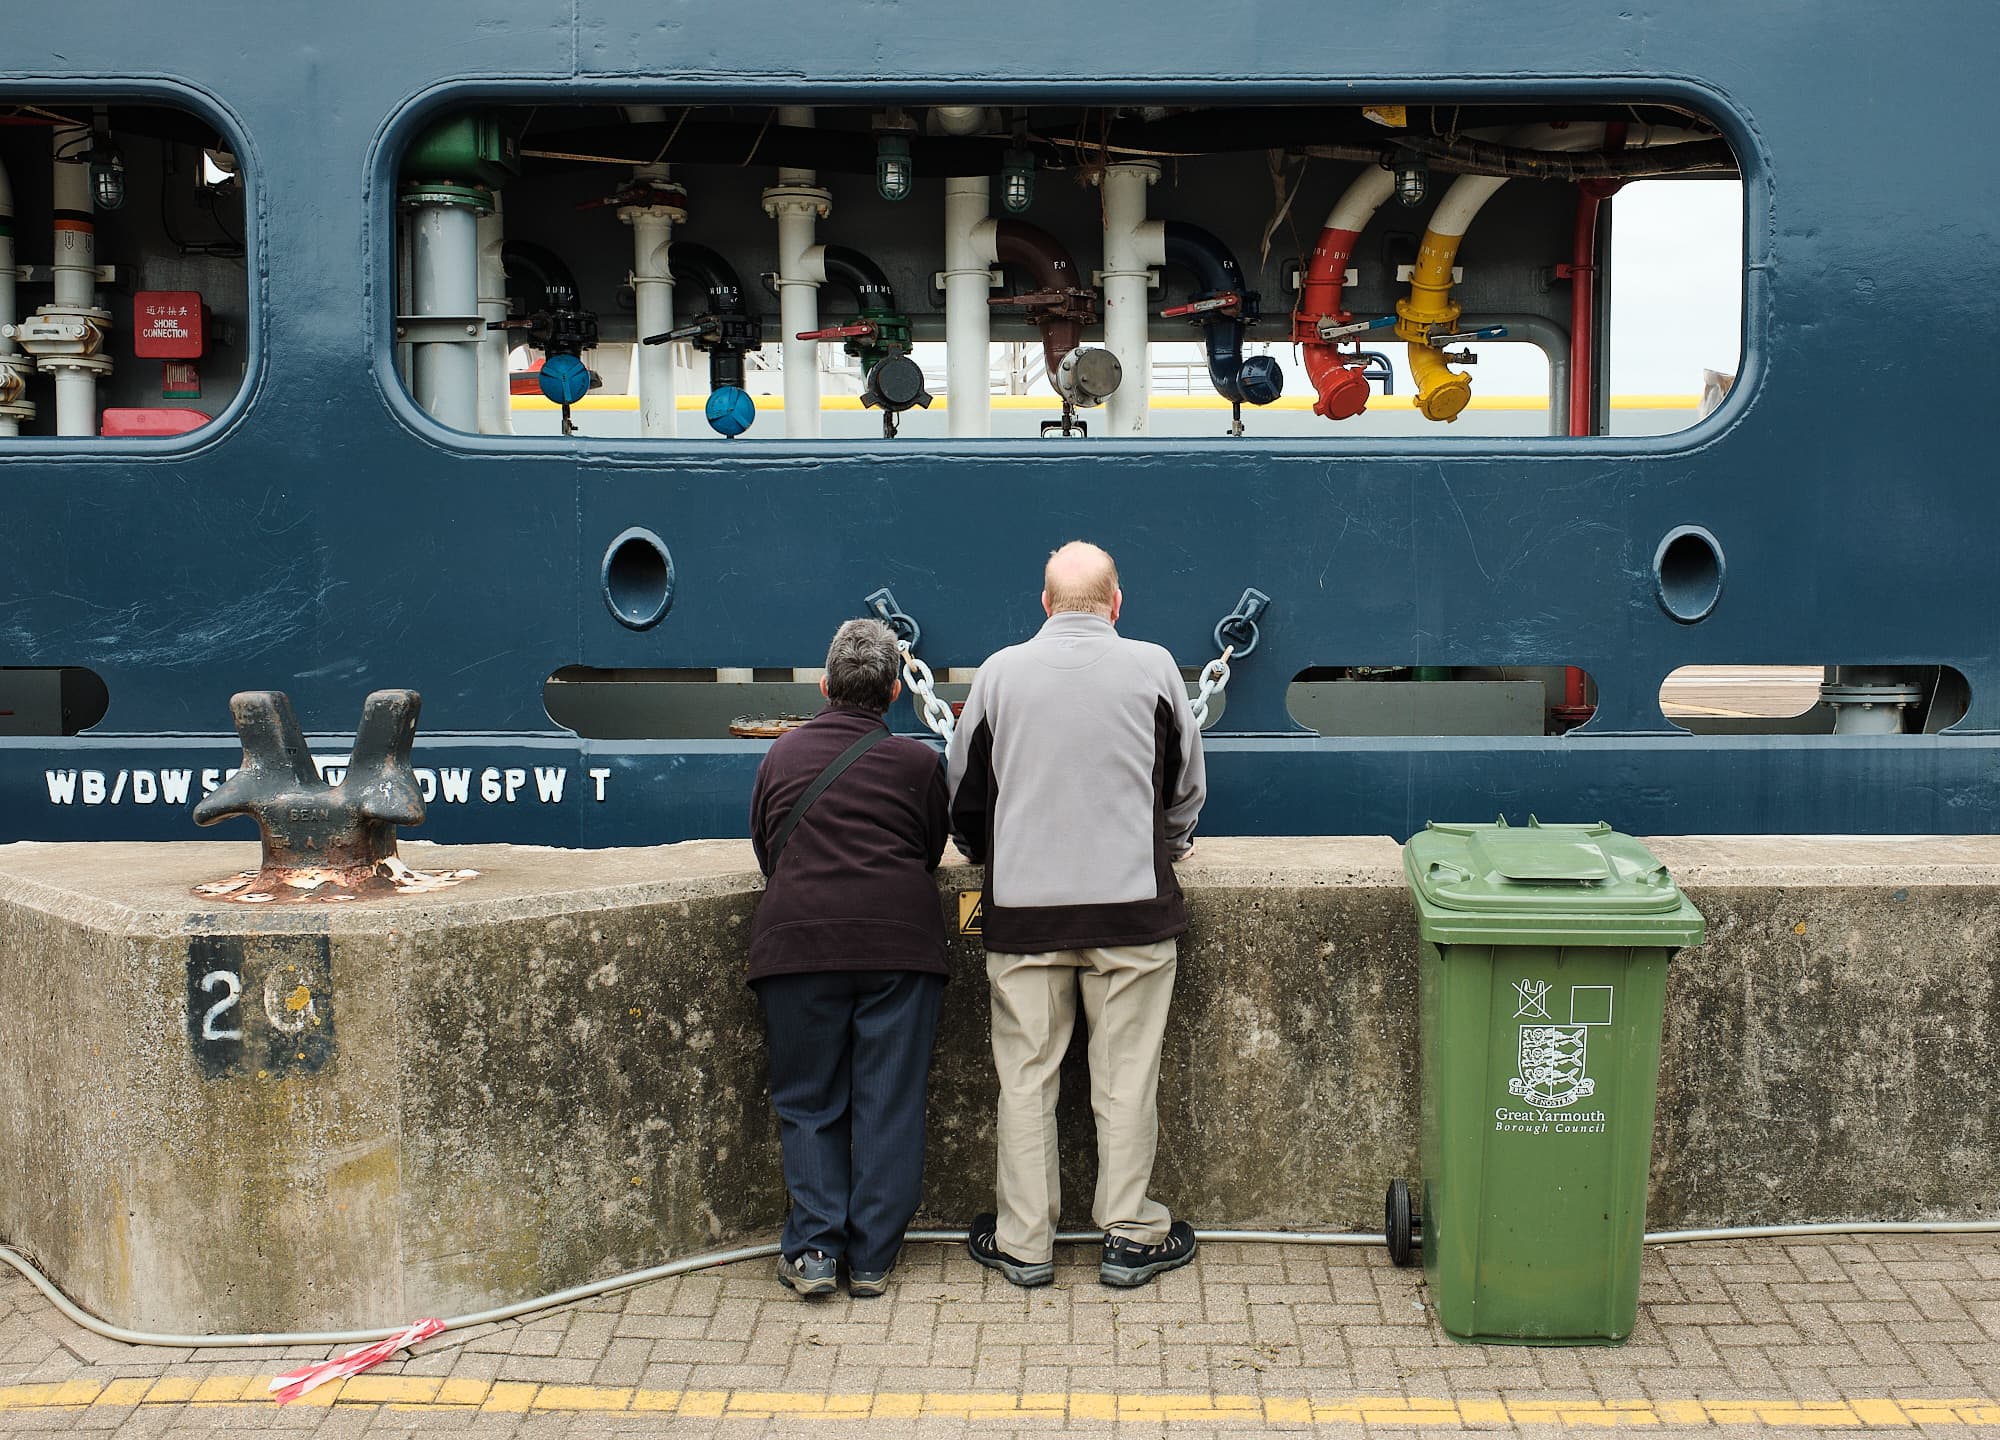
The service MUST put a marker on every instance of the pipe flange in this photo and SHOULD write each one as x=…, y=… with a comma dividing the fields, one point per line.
x=89, y=314
x=1872, y=694
x=677, y=214
x=1149, y=168
x=476, y=198
x=780, y=199
x=90, y=364
x=24, y=410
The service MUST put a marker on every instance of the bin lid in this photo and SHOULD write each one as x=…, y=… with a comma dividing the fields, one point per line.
x=1551, y=879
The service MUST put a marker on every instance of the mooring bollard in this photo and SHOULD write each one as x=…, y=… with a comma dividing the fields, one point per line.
x=323, y=842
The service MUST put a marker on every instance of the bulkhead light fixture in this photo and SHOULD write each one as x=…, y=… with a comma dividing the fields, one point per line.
x=1413, y=179
x=1017, y=180
x=107, y=176
x=893, y=171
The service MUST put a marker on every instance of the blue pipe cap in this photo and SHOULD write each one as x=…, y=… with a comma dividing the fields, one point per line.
x=564, y=379
x=730, y=410
x=1260, y=380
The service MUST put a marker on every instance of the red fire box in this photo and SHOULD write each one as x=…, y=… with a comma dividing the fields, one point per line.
x=166, y=324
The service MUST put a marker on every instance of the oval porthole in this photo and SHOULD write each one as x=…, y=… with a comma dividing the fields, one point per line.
x=638, y=579
x=1687, y=573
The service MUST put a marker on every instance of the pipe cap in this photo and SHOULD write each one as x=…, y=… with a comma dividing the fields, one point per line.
x=1342, y=395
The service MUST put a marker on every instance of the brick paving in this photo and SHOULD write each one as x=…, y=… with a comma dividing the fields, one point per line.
x=1811, y=1337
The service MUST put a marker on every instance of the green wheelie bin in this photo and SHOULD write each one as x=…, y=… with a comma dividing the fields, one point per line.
x=1543, y=970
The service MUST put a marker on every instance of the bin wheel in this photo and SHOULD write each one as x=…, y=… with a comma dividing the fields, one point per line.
x=1399, y=1224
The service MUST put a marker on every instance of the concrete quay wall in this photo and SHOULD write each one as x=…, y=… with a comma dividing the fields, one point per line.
x=432, y=1104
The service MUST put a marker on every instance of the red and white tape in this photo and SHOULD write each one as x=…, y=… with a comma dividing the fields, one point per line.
x=294, y=1383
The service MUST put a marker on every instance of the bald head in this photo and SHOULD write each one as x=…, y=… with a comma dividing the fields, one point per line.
x=1080, y=578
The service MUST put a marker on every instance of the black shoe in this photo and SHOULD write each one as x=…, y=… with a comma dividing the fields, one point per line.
x=985, y=1248
x=1127, y=1263
x=813, y=1273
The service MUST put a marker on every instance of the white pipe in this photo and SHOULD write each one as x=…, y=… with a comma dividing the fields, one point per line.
x=968, y=319
x=75, y=273
x=444, y=265
x=1132, y=246
x=653, y=293
x=960, y=119
x=797, y=203
x=1454, y=214
x=496, y=413
x=75, y=263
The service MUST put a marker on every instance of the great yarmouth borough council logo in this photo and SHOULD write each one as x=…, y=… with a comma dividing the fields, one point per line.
x=1554, y=1055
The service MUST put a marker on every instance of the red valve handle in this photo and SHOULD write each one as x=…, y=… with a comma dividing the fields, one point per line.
x=839, y=332
x=1227, y=300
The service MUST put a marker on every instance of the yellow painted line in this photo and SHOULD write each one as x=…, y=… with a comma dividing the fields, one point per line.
x=1051, y=405
x=463, y=1396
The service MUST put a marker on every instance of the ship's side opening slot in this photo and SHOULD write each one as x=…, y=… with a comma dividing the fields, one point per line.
x=1815, y=699
x=124, y=290
x=1066, y=271
x=741, y=702
x=1360, y=700
x=51, y=699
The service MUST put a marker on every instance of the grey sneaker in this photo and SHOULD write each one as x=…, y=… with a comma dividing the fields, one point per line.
x=867, y=1284
x=813, y=1273
x=985, y=1248
x=1127, y=1263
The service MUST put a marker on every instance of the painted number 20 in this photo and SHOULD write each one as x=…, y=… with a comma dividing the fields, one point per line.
x=232, y=986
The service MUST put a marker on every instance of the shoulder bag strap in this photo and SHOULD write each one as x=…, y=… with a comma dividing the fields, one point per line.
x=818, y=788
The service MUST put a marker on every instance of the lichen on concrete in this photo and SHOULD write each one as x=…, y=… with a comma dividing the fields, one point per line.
x=556, y=1073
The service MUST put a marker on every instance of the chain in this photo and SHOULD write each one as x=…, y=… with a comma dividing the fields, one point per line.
x=934, y=712
x=1214, y=680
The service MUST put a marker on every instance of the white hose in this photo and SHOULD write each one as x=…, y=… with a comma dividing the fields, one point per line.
x=591, y=1289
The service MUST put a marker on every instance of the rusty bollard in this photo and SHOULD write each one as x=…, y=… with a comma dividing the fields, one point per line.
x=323, y=842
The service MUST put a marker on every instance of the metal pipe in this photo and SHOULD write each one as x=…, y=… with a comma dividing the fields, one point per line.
x=1441, y=391
x=1132, y=246
x=496, y=414
x=1016, y=242
x=76, y=1314
x=14, y=371
x=860, y=276
x=1342, y=389
x=798, y=204
x=968, y=322
x=960, y=119
x=653, y=298
x=1591, y=195
x=444, y=281
x=1549, y=338
x=75, y=273
x=1257, y=381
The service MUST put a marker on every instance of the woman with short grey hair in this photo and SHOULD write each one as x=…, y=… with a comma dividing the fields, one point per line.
x=847, y=960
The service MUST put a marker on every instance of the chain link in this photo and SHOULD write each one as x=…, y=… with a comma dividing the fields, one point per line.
x=934, y=712
x=1214, y=680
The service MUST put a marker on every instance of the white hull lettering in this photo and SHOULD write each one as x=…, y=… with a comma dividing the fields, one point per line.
x=497, y=785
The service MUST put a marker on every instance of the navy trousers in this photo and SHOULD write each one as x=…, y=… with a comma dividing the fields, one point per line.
x=850, y=1067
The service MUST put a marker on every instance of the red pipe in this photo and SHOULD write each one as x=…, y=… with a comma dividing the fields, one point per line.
x=1342, y=388
x=1016, y=242
x=1583, y=353
x=1583, y=293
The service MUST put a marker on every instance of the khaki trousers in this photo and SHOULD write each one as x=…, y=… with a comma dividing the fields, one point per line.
x=1126, y=990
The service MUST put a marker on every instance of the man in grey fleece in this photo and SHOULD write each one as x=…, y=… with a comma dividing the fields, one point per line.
x=1076, y=779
